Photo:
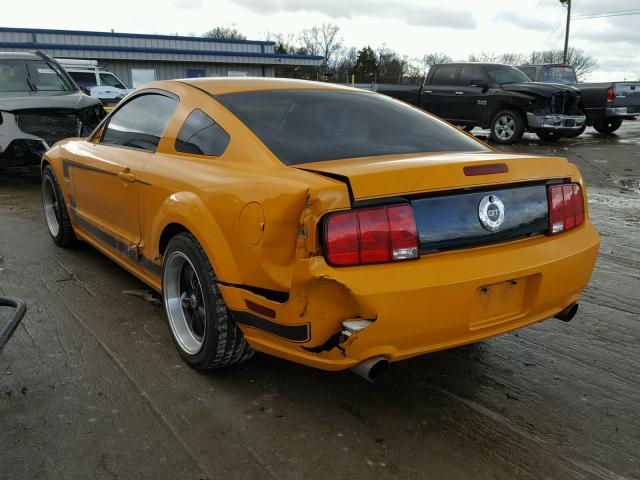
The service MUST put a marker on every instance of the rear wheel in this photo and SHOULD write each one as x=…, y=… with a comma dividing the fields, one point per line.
x=200, y=324
x=55, y=210
x=507, y=127
x=608, y=125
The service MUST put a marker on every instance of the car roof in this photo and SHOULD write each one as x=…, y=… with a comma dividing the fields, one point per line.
x=19, y=56
x=222, y=85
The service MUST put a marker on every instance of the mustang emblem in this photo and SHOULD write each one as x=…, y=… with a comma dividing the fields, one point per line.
x=491, y=212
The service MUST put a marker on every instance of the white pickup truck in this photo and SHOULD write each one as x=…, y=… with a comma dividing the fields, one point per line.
x=96, y=82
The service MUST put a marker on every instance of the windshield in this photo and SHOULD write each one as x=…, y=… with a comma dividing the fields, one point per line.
x=504, y=74
x=111, y=80
x=564, y=75
x=31, y=76
x=302, y=126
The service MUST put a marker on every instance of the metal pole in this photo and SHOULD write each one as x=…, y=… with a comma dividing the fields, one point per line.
x=566, y=35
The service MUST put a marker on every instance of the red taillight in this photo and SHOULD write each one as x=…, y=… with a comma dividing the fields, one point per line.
x=566, y=207
x=611, y=95
x=372, y=235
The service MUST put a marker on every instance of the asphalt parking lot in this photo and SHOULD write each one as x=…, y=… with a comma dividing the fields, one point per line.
x=92, y=387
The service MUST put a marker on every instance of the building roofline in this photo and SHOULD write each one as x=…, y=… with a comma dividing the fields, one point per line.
x=133, y=35
x=104, y=48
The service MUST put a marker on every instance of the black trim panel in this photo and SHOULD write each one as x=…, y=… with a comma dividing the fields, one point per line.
x=298, y=333
x=67, y=164
x=112, y=242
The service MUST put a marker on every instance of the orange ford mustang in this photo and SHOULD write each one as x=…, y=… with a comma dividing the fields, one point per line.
x=326, y=225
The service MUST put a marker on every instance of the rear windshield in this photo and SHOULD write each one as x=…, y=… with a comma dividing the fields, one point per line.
x=303, y=126
x=564, y=75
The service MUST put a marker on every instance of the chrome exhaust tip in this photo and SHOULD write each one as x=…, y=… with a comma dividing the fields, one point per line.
x=568, y=313
x=372, y=369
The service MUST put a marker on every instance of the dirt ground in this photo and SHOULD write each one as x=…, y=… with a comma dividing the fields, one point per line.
x=91, y=386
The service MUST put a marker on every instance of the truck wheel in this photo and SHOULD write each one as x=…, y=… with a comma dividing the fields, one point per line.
x=55, y=210
x=608, y=125
x=201, y=327
x=547, y=136
x=507, y=127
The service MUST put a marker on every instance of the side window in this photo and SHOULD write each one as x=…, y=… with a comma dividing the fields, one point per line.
x=470, y=74
x=529, y=72
x=202, y=136
x=84, y=79
x=445, y=75
x=140, y=122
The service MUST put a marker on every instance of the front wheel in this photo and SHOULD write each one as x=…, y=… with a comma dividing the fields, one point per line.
x=200, y=324
x=507, y=127
x=55, y=210
x=608, y=125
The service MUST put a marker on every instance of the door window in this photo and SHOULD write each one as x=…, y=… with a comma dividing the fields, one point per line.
x=140, y=122
x=140, y=76
x=445, y=75
x=84, y=79
x=111, y=80
x=469, y=74
x=202, y=136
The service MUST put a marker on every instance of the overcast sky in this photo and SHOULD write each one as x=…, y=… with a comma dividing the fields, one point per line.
x=411, y=27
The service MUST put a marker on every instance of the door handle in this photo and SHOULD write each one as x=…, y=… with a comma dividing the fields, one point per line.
x=459, y=93
x=126, y=175
x=427, y=91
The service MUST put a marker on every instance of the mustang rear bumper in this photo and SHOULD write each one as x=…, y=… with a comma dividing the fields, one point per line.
x=439, y=301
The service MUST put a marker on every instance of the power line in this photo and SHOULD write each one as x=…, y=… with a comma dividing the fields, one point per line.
x=607, y=16
x=606, y=13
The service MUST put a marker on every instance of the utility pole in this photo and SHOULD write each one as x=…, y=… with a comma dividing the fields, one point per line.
x=566, y=35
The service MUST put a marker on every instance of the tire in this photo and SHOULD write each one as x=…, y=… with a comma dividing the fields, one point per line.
x=607, y=126
x=575, y=134
x=547, y=136
x=507, y=127
x=200, y=324
x=55, y=210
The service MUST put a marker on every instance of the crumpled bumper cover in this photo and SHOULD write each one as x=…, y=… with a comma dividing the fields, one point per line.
x=556, y=122
x=439, y=301
x=10, y=131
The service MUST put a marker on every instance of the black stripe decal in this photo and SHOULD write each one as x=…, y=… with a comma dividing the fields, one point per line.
x=295, y=333
x=111, y=241
x=67, y=164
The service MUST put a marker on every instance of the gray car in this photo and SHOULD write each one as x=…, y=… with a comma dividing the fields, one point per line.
x=39, y=105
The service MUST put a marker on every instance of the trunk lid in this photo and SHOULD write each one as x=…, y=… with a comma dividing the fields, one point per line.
x=407, y=175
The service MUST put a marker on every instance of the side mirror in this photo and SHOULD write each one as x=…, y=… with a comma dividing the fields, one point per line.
x=479, y=83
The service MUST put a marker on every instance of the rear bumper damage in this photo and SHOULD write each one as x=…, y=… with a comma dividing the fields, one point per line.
x=437, y=302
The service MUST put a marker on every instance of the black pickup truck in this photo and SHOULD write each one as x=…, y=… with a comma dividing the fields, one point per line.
x=494, y=96
x=605, y=104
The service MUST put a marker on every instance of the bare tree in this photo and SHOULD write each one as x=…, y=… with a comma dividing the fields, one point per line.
x=582, y=63
x=484, y=57
x=322, y=40
x=228, y=32
x=285, y=43
x=391, y=66
x=431, y=59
